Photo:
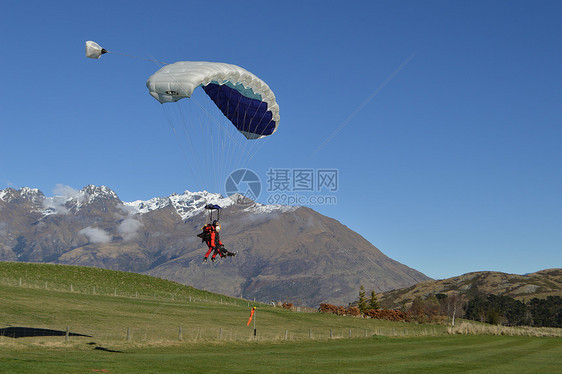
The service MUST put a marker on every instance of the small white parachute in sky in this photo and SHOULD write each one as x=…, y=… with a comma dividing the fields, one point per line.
x=94, y=50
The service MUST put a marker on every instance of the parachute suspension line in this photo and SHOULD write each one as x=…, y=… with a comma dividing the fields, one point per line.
x=259, y=143
x=209, y=151
x=211, y=215
x=137, y=57
x=246, y=146
x=224, y=131
x=180, y=144
x=232, y=146
x=208, y=136
x=186, y=124
x=187, y=121
x=242, y=141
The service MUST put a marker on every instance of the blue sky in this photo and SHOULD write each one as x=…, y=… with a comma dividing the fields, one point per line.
x=443, y=118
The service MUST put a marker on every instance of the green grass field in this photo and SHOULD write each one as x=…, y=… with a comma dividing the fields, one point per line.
x=178, y=329
x=477, y=354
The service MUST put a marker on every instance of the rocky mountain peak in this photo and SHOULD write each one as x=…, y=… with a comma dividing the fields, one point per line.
x=32, y=195
x=93, y=192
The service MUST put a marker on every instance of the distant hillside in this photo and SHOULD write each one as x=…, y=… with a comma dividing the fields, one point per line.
x=522, y=287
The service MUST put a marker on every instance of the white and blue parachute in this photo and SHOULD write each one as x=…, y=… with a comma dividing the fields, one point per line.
x=243, y=98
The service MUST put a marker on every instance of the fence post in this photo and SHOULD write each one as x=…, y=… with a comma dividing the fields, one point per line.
x=128, y=334
x=220, y=333
x=67, y=334
x=180, y=335
x=330, y=333
x=94, y=292
x=365, y=332
x=71, y=289
x=285, y=334
x=310, y=333
x=20, y=282
x=350, y=333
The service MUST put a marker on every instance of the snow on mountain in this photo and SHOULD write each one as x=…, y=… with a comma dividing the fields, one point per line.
x=5, y=194
x=92, y=193
x=188, y=204
x=25, y=193
x=258, y=208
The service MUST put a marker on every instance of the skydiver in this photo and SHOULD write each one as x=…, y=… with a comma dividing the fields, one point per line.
x=212, y=239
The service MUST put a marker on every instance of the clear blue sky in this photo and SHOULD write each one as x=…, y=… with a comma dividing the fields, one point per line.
x=449, y=112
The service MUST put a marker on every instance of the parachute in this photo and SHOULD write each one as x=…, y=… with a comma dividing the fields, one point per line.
x=243, y=98
x=93, y=50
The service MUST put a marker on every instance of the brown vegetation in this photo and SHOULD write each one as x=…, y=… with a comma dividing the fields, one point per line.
x=287, y=306
x=391, y=315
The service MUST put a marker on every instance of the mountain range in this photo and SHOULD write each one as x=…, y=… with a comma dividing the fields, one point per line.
x=285, y=253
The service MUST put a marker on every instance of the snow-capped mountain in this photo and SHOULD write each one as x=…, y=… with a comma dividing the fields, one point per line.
x=285, y=253
x=188, y=204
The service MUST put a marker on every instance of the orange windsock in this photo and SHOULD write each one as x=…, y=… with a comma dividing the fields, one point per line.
x=251, y=316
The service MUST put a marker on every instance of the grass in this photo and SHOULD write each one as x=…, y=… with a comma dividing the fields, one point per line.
x=477, y=354
x=214, y=335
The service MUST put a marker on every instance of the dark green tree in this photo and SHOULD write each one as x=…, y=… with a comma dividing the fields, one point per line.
x=362, y=303
x=373, y=303
x=476, y=309
x=546, y=312
x=497, y=309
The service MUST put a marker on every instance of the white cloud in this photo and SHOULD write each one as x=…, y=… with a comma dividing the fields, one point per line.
x=128, y=228
x=96, y=235
x=63, y=194
x=56, y=203
x=70, y=193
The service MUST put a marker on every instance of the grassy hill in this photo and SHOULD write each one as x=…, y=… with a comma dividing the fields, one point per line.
x=96, y=281
x=522, y=287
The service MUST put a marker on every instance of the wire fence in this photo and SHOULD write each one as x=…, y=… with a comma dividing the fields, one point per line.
x=151, y=335
x=180, y=294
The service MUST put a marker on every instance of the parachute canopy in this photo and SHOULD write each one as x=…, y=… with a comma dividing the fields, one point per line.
x=243, y=98
x=93, y=50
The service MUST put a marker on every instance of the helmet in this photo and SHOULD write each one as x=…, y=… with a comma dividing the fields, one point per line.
x=215, y=222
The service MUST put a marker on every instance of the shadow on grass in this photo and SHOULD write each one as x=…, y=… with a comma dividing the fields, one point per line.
x=26, y=332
